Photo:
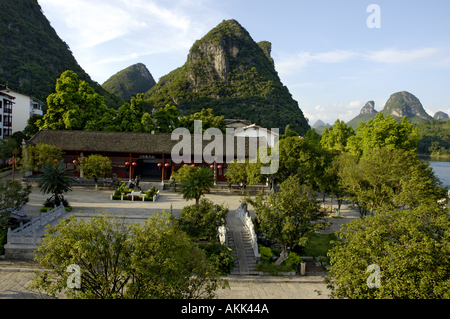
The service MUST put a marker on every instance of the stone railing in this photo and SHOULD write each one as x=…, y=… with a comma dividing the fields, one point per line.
x=243, y=214
x=137, y=194
x=26, y=233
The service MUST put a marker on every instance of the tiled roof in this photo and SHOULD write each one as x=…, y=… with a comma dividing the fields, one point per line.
x=123, y=142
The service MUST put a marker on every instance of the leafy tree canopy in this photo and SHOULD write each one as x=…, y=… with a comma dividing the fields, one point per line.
x=74, y=105
x=13, y=196
x=152, y=261
x=382, y=132
x=411, y=247
x=36, y=156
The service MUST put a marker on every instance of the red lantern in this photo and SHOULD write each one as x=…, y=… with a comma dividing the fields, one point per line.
x=167, y=165
x=219, y=167
x=193, y=165
x=159, y=165
x=212, y=166
x=75, y=162
x=134, y=164
x=127, y=164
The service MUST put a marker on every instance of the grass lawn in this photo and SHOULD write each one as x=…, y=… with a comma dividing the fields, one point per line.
x=318, y=245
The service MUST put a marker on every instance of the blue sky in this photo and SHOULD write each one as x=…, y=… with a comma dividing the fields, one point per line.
x=324, y=52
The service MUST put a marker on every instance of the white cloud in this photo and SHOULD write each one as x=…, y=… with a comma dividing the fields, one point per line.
x=405, y=56
x=287, y=64
x=355, y=105
x=319, y=108
x=108, y=34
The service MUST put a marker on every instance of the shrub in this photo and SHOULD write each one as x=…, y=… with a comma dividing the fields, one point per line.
x=220, y=256
x=266, y=253
x=294, y=261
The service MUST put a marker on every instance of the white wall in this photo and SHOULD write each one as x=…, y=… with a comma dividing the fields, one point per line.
x=256, y=132
x=20, y=112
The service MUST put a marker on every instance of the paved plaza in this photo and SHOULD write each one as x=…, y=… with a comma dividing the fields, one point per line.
x=87, y=202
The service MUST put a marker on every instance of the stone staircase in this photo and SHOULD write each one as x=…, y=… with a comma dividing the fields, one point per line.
x=239, y=241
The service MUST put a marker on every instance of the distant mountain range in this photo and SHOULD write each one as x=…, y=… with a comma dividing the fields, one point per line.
x=319, y=126
x=399, y=104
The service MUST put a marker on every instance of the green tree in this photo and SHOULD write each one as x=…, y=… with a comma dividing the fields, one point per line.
x=183, y=173
x=202, y=221
x=288, y=216
x=7, y=146
x=411, y=247
x=35, y=156
x=31, y=129
x=337, y=136
x=152, y=261
x=200, y=181
x=166, y=119
x=130, y=115
x=209, y=120
x=389, y=177
x=244, y=173
x=73, y=106
x=13, y=196
x=55, y=179
x=299, y=157
x=382, y=132
x=95, y=166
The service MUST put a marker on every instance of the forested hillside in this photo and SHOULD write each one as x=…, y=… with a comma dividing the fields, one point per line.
x=32, y=56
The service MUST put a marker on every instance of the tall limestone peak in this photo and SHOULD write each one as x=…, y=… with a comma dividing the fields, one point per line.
x=130, y=81
x=226, y=48
x=405, y=104
x=369, y=108
x=230, y=73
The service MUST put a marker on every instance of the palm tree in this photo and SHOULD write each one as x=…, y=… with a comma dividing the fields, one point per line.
x=200, y=181
x=55, y=179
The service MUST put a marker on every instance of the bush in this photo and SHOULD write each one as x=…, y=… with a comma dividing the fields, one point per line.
x=269, y=267
x=294, y=261
x=266, y=253
x=51, y=202
x=220, y=256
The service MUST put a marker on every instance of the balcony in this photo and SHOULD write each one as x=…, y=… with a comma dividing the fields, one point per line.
x=36, y=112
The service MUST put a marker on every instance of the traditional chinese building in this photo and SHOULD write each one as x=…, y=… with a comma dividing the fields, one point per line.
x=144, y=154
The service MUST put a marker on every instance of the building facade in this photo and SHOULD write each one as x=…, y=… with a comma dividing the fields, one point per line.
x=151, y=156
x=6, y=114
x=257, y=131
x=25, y=106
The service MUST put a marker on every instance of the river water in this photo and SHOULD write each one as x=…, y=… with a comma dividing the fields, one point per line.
x=441, y=168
